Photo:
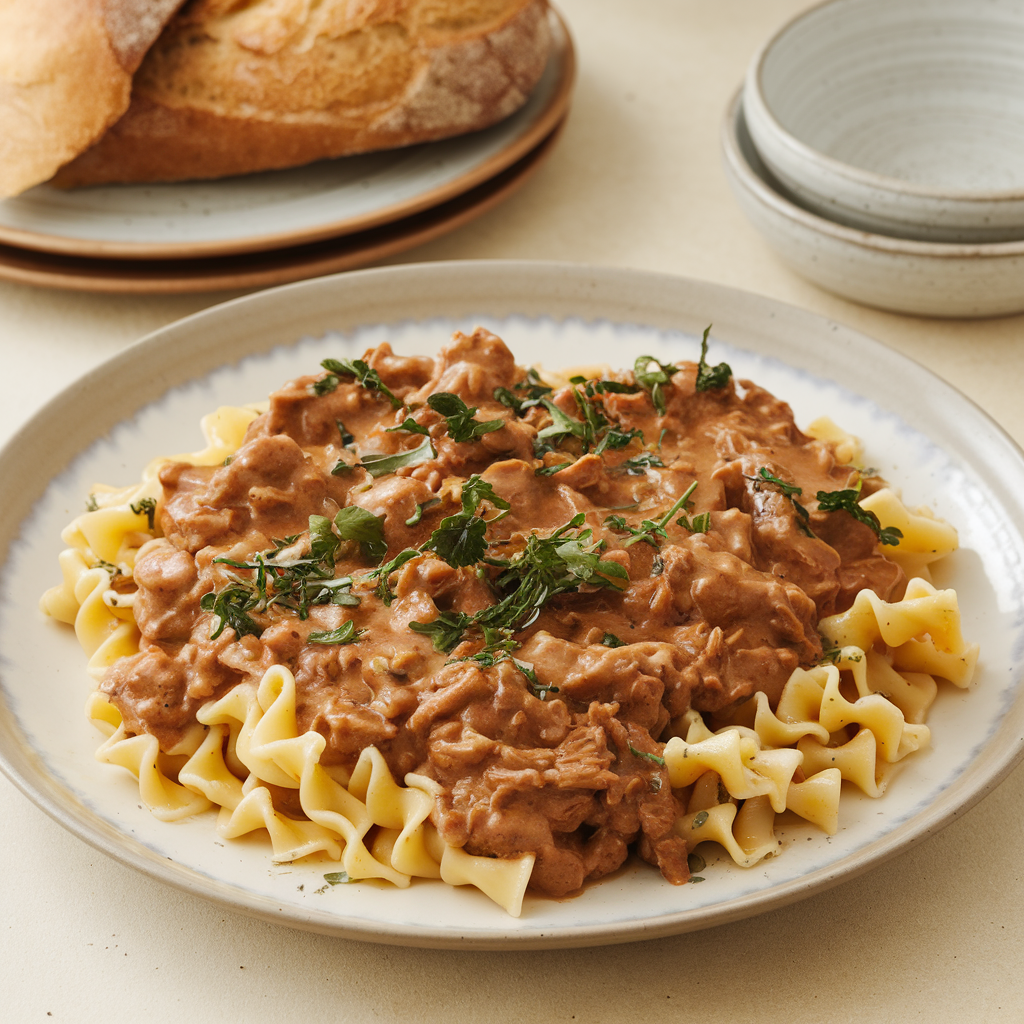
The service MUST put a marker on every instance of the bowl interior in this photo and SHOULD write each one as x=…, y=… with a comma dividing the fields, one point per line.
x=927, y=91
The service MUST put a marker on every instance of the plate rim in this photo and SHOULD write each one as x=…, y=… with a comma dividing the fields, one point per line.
x=562, y=55
x=276, y=267
x=453, y=289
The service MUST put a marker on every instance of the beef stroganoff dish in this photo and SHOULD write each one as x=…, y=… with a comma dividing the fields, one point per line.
x=451, y=618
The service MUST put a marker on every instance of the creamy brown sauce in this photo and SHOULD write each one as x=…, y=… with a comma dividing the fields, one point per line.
x=555, y=765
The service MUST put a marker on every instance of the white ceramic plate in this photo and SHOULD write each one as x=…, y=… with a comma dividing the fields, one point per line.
x=149, y=399
x=271, y=209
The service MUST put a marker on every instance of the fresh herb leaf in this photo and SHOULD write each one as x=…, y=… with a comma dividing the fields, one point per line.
x=710, y=376
x=346, y=633
x=231, y=608
x=323, y=544
x=613, y=387
x=363, y=373
x=346, y=437
x=411, y=426
x=540, y=690
x=377, y=464
x=460, y=539
x=789, y=490
x=611, y=640
x=695, y=862
x=459, y=417
x=546, y=567
x=653, y=380
x=445, y=631
x=533, y=388
x=613, y=439
x=553, y=469
x=650, y=530
x=337, y=877
x=561, y=423
x=355, y=523
x=147, y=507
x=292, y=583
x=698, y=524
x=699, y=819
x=653, y=758
x=383, y=574
x=848, y=501
x=415, y=518
x=91, y=504
x=341, y=467
x=639, y=464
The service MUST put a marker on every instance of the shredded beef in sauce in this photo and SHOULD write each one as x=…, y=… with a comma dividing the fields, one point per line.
x=705, y=620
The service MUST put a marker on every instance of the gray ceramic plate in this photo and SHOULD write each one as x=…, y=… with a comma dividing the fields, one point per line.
x=275, y=209
x=148, y=401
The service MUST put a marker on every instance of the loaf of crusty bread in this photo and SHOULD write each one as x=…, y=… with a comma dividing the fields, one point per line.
x=234, y=86
x=66, y=71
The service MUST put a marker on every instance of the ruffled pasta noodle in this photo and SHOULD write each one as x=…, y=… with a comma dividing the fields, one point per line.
x=854, y=718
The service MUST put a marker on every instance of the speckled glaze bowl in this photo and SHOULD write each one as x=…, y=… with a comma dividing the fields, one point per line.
x=902, y=117
x=906, y=276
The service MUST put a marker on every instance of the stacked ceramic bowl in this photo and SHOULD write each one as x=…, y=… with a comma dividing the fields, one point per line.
x=878, y=145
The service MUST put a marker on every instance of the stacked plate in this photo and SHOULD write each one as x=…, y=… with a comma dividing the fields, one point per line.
x=281, y=226
x=879, y=147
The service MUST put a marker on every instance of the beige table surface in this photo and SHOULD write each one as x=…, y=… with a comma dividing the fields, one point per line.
x=934, y=935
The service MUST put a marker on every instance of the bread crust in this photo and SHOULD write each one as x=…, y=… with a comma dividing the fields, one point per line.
x=66, y=71
x=225, y=92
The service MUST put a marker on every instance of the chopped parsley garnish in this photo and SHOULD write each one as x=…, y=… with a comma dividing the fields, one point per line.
x=650, y=529
x=835, y=501
x=639, y=464
x=533, y=388
x=91, y=504
x=459, y=539
x=341, y=467
x=346, y=633
x=698, y=524
x=446, y=630
x=699, y=819
x=231, y=607
x=377, y=464
x=789, y=490
x=611, y=640
x=459, y=417
x=355, y=523
x=358, y=368
x=337, y=877
x=847, y=501
x=346, y=437
x=561, y=423
x=382, y=574
x=546, y=567
x=553, y=469
x=411, y=426
x=147, y=507
x=421, y=507
x=652, y=380
x=293, y=583
x=594, y=430
x=614, y=439
x=108, y=567
x=710, y=376
x=653, y=758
